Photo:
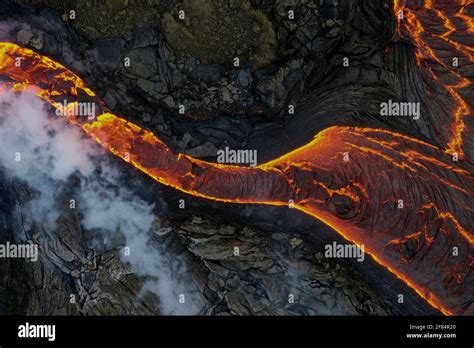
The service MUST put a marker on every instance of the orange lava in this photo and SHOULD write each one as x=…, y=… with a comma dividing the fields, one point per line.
x=412, y=25
x=357, y=198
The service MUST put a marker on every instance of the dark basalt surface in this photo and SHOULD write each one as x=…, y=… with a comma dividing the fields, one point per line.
x=239, y=107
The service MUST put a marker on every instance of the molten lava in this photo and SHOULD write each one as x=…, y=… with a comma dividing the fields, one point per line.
x=405, y=200
x=437, y=27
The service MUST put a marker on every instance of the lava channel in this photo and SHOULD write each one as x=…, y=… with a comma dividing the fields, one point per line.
x=359, y=198
x=439, y=30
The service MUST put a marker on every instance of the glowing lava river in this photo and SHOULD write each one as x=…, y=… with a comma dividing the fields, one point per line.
x=351, y=178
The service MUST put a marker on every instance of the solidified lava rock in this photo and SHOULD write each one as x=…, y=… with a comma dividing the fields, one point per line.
x=239, y=107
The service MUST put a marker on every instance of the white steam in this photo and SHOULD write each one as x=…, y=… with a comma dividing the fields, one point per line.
x=43, y=151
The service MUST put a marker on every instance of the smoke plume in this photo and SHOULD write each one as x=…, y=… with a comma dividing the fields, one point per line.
x=44, y=150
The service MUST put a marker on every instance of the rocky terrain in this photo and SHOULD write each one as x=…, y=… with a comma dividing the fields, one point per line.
x=176, y=63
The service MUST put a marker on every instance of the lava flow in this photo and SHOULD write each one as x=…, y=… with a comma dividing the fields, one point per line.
x=405, y=200
x=439, y=28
